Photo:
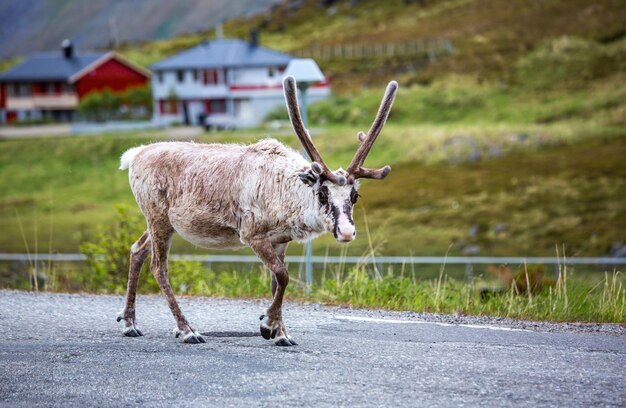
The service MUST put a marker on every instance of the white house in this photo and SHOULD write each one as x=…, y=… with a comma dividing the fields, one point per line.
x=226, y=78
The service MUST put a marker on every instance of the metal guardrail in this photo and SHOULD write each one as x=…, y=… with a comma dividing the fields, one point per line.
x=379, y=261
x=416, y=260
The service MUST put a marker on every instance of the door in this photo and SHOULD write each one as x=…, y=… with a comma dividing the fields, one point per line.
x=185, y=113
x=196, y=112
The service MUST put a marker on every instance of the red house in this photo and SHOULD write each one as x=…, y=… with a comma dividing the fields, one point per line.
x=50, y=85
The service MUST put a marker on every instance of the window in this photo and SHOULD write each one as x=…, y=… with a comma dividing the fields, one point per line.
x=216, y=106
x=195, y=75
x=168, y=106
x=180, y=75
x=50, y=88
x=20, y=90
x=271, y=72
x=210, y=77
x=160, y=77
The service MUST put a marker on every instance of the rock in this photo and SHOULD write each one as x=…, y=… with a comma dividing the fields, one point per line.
x=471, y=250
x=617, y=250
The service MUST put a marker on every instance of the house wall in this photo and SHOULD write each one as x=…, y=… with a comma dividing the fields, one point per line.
x=249, y=94
x=58, y=100
x=166, y=83
x=251, y=107
x=113, y=75
x=3, y=96
x=3, y=101
x=257, y=76
x=22, y=101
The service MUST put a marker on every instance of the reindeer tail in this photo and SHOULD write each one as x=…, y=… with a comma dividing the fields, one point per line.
x=128, y=157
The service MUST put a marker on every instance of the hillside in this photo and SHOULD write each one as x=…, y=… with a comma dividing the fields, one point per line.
x=485, y=39
x=515, y=194
x=37, y=25
x=488, y=36
x=511, y=144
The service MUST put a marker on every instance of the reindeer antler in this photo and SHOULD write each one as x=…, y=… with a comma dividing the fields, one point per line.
x=293, y=108
x=355, y=170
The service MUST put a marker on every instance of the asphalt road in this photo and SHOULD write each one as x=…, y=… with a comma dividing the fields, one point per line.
x=67, y=350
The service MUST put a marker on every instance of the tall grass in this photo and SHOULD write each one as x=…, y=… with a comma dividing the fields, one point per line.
x=572, y=296
x=577, y=301
x=570, y=299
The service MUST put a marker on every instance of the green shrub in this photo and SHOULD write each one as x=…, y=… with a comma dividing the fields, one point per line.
x=108, y=253
x=279, y=113
x=107, y=105
x=108, y=260
x=100, y=105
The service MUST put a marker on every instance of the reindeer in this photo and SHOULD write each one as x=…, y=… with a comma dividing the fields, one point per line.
x=263, y=196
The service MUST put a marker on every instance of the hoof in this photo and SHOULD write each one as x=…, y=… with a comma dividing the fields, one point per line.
x=285, y=341
x=193, y=338
x=132, y=331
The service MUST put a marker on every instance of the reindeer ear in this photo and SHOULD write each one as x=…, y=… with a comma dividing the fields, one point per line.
x=311, y=175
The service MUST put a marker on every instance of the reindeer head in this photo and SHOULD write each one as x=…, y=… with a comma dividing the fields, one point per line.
x=337, y=190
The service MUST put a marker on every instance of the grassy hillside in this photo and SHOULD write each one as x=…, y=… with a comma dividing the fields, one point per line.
x=507, y=193
x=489, y=36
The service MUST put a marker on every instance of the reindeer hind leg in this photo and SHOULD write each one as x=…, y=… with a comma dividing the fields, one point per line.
x=138, y=254
x=161, y=241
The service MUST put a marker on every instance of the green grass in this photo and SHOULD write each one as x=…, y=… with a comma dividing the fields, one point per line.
x=571, y=297
x=559, y=184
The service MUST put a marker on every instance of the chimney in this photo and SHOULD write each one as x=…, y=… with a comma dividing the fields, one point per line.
x=219, y=31
x=68, y=49
x=254, y=38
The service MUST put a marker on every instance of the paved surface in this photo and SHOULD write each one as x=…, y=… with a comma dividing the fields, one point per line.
x=19, y=132
x=67, y=350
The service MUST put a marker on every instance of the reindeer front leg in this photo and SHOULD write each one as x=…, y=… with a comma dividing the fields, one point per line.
x=272, y=325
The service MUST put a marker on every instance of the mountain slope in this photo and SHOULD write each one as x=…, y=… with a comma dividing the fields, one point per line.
x=488, y=36
x=36, y=25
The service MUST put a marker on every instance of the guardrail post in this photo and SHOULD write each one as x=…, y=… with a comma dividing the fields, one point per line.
x=308, y=267
x=469, y=272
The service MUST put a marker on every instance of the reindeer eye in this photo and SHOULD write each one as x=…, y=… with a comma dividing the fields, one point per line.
x=322, y=193
x=354, y=196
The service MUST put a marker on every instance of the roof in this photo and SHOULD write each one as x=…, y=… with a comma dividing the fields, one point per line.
x=50, y=66
x=223, y=53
